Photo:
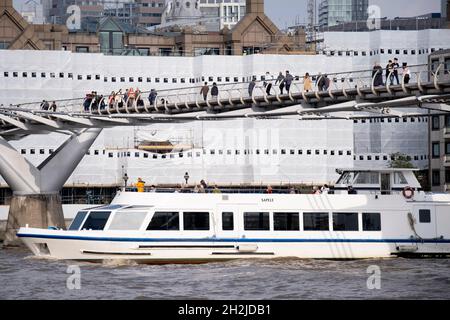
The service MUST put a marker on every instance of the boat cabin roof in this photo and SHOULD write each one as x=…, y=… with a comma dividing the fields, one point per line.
x=382, y=179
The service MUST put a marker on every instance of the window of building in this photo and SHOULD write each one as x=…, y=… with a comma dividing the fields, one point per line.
x=425, y=216
x=169, y=221
x=196, y=221
x=96, y=220
x=286, y=221
x=435, y=123
x=81, y=49
x=345, y=221
x=436, y=178
x=316, y=221
x=256, y=221
x=436, y=150
x=227, y=221
x=371, y=221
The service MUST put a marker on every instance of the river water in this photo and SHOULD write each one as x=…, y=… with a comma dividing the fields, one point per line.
x=25, y=277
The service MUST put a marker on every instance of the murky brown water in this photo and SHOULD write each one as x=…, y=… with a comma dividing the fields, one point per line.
x=25, y=277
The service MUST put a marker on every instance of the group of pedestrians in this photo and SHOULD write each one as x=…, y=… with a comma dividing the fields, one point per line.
x=214, y=91
x=93, y=101
x=47, y=107
x=392, y=72
x=283, y=81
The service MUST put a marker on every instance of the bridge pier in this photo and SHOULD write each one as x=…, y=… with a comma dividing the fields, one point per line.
x=36, y=200
x=34, y=210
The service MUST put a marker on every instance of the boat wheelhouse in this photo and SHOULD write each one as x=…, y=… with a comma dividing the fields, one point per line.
x=376, y=222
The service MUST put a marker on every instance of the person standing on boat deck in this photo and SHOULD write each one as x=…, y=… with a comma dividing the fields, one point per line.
x=269, y=190
x=325, y=189
x=395, y=67
x=307, y=83
x=204, y=91
x=153, y=189
x=280, y=81
x=251, y=87
x=197, y=189
x=215, y=91
x=292, y=191
x=140, y=185
x=288, y=79
x=350, y=190
x=316, y=190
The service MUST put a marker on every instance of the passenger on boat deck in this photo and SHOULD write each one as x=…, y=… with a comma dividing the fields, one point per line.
x=350, y=190
x=325, y=189
x=292, y=191
x=197, y=189
x=153, y=189
x=140, y=185
x=201, y=189
x=316, y=190
x=269, y=190
x=203, y=184
x=216, y=190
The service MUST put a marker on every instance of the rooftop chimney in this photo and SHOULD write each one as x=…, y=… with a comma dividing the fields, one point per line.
x=255, y=6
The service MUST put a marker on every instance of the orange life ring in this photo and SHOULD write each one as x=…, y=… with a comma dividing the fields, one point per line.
x=408, y=193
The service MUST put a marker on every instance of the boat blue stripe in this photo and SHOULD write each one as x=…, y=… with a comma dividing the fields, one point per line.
x=232, y=240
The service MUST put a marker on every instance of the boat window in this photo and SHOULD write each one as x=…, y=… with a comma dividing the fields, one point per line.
x=371, y=222
x=227, y=221
x=79, y=218
x=127, y=220
x=286, y=221
x=424, y=216
x=256, y=221
x=315, y=221
x=346, y=178
x=399, y=178
x=165, y=221
x=194, y=221
x=367, y=178
x=345, y=221
x=96, y=220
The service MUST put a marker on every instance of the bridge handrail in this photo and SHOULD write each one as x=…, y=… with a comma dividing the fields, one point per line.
x=300, y=78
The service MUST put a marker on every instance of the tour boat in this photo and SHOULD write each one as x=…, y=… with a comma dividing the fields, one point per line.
x=385, y=214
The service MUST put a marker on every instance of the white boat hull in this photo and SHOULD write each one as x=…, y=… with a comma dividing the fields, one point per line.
x=60, y=245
